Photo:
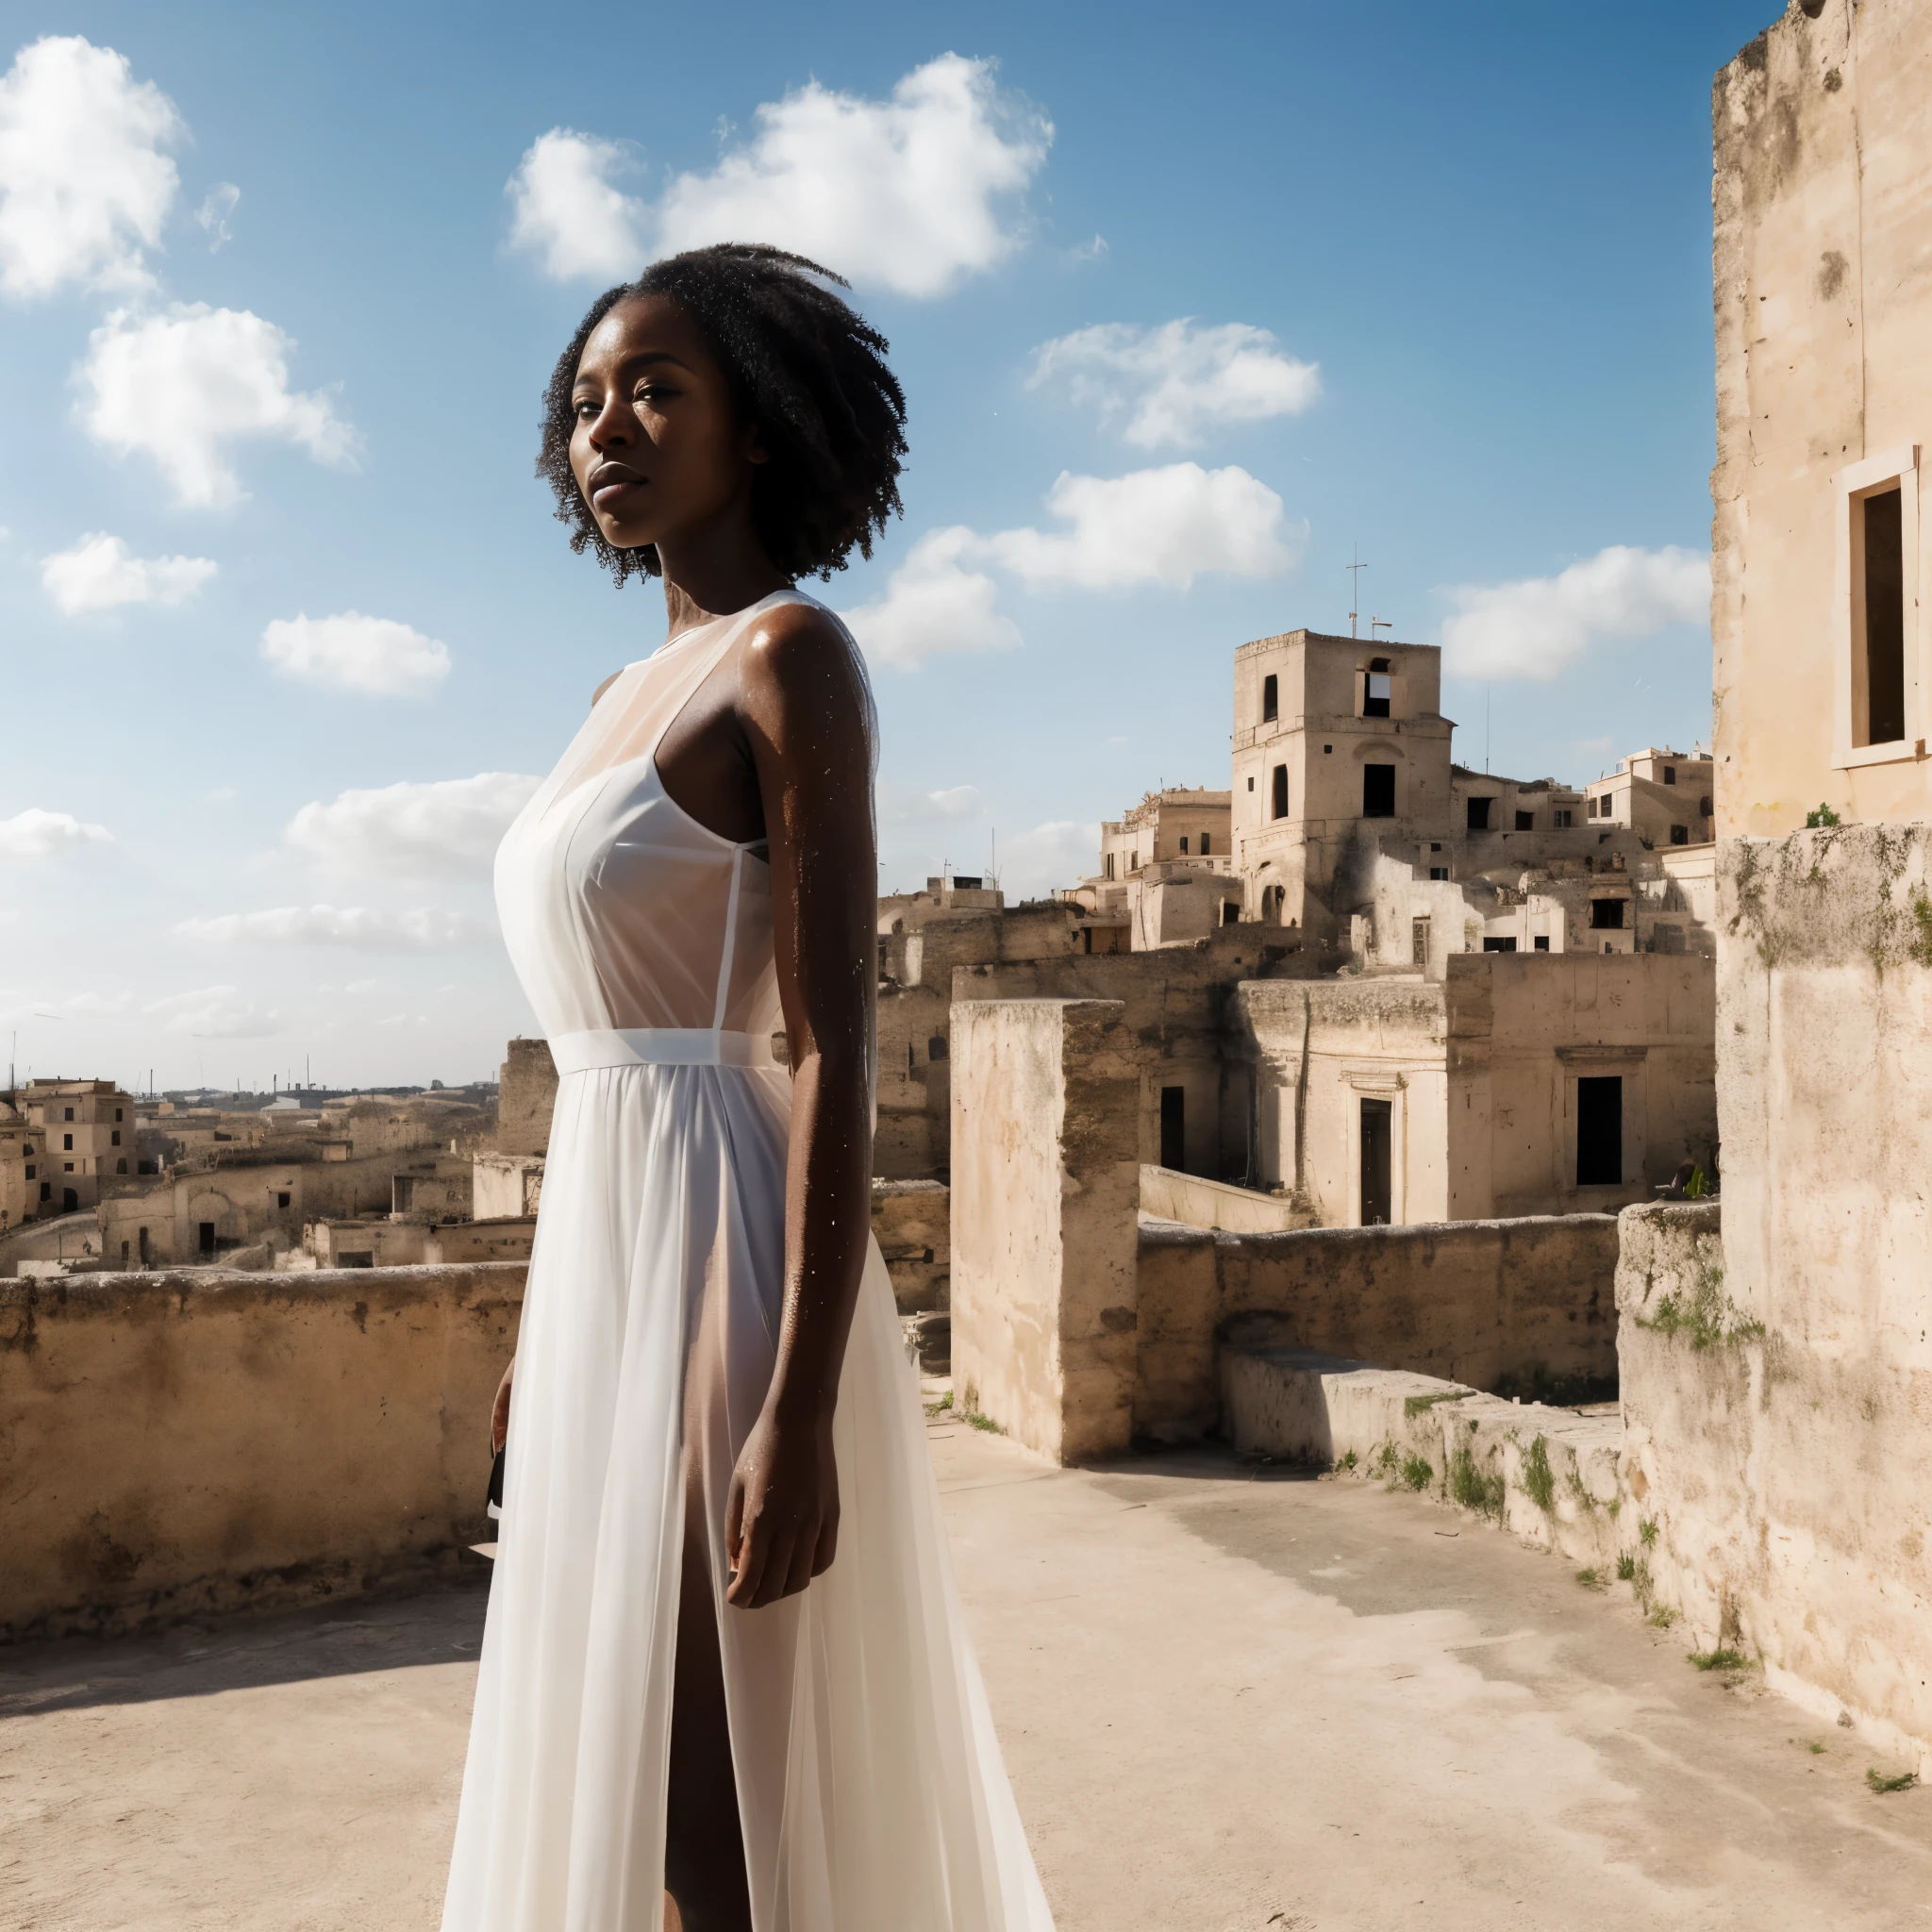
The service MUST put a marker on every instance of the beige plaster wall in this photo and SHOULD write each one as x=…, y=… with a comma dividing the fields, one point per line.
x=912, y=1222
x=177, y=1444
x=1823, y=132
x=1045, y=1181
x=1523, y=1306
x=1784, y=1466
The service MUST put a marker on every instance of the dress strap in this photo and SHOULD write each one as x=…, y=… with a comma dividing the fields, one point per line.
x=658, y=1046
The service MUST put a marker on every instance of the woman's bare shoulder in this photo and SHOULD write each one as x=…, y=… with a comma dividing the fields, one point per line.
x=604, y=687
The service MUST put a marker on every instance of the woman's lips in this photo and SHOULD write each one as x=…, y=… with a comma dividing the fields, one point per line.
x=612, y=494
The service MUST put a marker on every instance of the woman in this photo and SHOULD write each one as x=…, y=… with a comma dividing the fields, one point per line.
x=724, y=1653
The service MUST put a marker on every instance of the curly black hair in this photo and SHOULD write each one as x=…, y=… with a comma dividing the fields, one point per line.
x=802, y=365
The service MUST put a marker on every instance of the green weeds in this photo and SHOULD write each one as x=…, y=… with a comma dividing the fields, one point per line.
x=1719, y=1660
x=1413, y=1405
x=1539, y=1479
x=1881, y=1784
x=1416, y=1474
x=1473, y=1489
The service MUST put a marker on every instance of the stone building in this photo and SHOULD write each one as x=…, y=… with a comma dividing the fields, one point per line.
x=1501, y=1087
x=1777, y=1375
x=60, y=1139
x=1167, y=868
x=1666, y=797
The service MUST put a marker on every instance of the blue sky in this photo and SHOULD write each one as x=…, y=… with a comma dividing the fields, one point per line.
x=1444, y=277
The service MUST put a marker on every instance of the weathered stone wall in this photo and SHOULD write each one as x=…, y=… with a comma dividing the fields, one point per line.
x=526, y=1097
x=1822, y=289
x=175, y=1445
x=1779, y=1384
x=912, y=1222
x=1166, y=1196
x=1506, y=1307
x=1045, y=1181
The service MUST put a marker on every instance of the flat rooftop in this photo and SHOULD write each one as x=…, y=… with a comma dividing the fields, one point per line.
x=1230, y=1698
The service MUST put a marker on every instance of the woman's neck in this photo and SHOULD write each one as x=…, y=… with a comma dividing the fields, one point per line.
x=706, y=581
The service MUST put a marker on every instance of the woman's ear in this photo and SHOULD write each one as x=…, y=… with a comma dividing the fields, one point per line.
x=755, y=450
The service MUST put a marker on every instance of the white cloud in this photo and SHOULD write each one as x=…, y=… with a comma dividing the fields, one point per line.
x=37, y=834
x=933, y=603
x=350, y=652
x=447, y=830
x=84, y=183
x=180, y=387
x=1152, y=526
x=1033, y=864
x=98, y=573
x=1177, y=382
x=214, y=1012
x=423, y=930
x=566, y=209
x=911, y=193
x=213, y=213
x=898, y=804
x=1538, y=626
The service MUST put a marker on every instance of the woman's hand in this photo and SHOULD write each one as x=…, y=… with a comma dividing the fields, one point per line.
x=499, y=1411
x=781, y=1524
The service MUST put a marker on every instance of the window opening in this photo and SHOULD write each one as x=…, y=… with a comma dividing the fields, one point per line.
x=1377, y=1134
x=1419, y=942
x=1885, y=617
x=935, y=1048
x=1439, y=871
x=1499, y=944
x=1540, y=944
x=1204, y=836
x=1564, y=819
x=1173, y=1128
x=1110, y=865
x=1600, y=1131
x=1606, y=915
x=1670, y=774
x=1479, y=814
x=1525, y=822
x=1377, y=690
x=1680, y=835
x=1270, y=707
x=1378, y=791
x=1704, y=804
x=205, y=1233
x=1184, y=844
x=1280, y=799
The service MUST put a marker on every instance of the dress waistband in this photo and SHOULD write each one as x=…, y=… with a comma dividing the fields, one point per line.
x=658, y=1046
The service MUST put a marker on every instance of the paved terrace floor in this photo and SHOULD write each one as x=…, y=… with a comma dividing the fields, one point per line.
x=1231, y=1701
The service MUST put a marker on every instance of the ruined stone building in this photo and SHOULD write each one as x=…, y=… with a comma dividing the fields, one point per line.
x=1166, y=869
x=1777, y=1376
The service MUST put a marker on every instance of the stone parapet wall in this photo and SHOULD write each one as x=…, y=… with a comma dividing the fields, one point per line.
x=184, y=1444
x=912, y=1222
x=1520, y=1307
x=1546, y=1473
x=1046, y=1184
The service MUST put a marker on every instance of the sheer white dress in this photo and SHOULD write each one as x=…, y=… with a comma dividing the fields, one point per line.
x=870, y=1786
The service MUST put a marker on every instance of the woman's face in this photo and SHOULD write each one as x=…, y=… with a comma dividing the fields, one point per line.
x=657, y=449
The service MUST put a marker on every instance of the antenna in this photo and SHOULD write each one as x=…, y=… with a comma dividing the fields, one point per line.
x=1355, y=584
x=1376, y=623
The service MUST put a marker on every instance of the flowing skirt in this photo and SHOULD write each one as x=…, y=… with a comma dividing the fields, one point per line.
x=870, y=1786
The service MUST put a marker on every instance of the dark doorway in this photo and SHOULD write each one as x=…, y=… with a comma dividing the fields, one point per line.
x=144, y=1247
x=1377, y=1133
x=1606, y=915
x=1885, y=619
x=1479, y=814
x=1271, y=705
x=1173, y=1128
x=70, y=1201
x=208, y=1237
x=1378, y=791
x=1279, y=800
x=1600, y=1131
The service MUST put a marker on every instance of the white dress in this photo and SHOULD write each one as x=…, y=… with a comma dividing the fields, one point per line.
x=870, y=1786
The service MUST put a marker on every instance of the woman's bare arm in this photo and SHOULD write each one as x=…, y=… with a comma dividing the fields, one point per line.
x=808, y=725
